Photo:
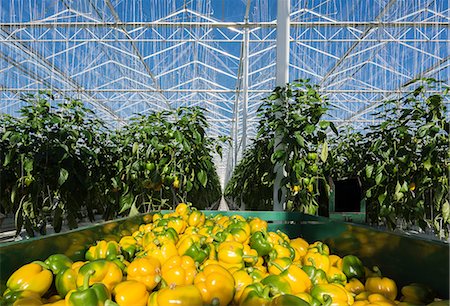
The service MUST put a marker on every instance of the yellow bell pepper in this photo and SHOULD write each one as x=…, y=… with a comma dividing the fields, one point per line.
x=176, y=296
x=335, y=261
x=196, y=218
x=145, y=270
x=368, y=303
x=102, y=271
x=257, y=224
x=56, y=303
x=179, y=270
x=382, y=285
x=131, y=292
x=297, y=279
x=278, y=265
x=282, y=250
x=103, y=250
x=192, y=230
x=241, y=280
x=305, y=297
x=178, y=224
x=334, y=275
x=317, y=259
x=33, y=277
x=162, y=251
x=354, y=286
x=10, y=297
x=300, y=246
x=274, y=238
x=182, y=210
x=336, y=292
x=362, y=296
x=28, y=301
x=216, y=285
x=379, y=298
x=230, y=252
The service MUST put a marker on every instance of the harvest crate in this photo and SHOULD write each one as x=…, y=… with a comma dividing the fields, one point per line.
x=404, y=258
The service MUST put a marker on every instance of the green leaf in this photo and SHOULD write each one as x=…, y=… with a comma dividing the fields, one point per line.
x=8, y=158
x=324, y=124
x=382, y=197
x=310, y=128
x=369, y=170
x=133, y=211
x=63, y=175
x=299, y=138
x=277, y=156
x=126, y=201
x=398, y=187
x=189, y=186
x=446, y=212
x=324, y=153
x=202, y=177
x=178, y=136
x=405, y=187
x=427, y=164
x=135, y=148
x=378, y=177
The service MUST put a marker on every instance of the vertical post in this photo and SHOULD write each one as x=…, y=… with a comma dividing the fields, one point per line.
x=245, y=60
x=282, y=77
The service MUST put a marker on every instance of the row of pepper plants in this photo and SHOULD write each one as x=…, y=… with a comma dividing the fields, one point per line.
x=402, y=160
x=292, y=115
x=59, y=163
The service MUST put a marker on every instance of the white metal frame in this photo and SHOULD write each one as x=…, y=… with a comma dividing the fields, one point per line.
x=186, y=56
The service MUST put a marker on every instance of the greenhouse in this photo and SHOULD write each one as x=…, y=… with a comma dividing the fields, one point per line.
x=224, y=152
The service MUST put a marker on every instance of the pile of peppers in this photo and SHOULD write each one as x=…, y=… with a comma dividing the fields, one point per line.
x=187, y=258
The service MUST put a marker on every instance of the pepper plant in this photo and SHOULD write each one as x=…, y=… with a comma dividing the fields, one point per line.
x=164, y=158
x=292, y=114
x=403, y=161
x=54, y=163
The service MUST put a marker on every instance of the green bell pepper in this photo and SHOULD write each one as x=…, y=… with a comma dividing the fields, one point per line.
x=58, y=262
x=353, y=267
x=277, y=285
x=255, y=294
x=66, y=280
x=198, y=251
x=96, y=295
x=221, y=236
x=317, y=276
x=260, y=243
x=168, y=234
x=288, y=300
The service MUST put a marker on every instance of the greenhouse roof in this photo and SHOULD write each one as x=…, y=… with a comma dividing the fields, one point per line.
x=124, y=57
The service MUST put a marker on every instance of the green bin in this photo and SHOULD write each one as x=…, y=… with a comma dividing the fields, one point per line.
x=404, y=258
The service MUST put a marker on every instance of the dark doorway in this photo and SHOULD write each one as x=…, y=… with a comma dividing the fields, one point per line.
x=348, y=195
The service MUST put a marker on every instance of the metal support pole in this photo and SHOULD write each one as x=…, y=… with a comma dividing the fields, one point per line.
x=282, y=77
x=245, y=90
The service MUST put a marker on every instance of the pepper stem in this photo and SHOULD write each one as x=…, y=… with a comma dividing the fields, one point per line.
x=42, y=264
x=86, y=278
x=277, y=266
